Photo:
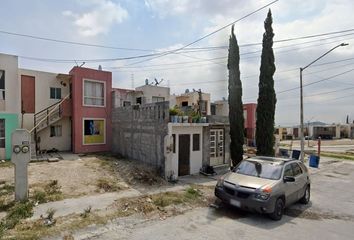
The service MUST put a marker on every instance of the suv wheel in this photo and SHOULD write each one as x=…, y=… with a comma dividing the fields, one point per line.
x=278, y=210
x=306, y=198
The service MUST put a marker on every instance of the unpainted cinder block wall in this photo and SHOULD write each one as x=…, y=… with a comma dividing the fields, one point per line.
x=139, y=132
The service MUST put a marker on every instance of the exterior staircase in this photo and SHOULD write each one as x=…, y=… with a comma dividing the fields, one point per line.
x=43, y=119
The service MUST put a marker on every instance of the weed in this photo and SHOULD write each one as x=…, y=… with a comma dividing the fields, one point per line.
x=6, y=189
x=68, y=237
x=53, y=188
x=39, y=196
x=86, y=212
x=19, y=211
x=50, y=214
x=6, y=204
x=108, y=185
x=6, y=164
x=168, y=198
x=192, y=193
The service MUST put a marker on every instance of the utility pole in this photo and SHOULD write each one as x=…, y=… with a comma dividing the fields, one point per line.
x=302, y=100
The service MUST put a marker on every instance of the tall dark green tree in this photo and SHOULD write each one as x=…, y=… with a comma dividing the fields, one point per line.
x=235, y=101
x=266, y=96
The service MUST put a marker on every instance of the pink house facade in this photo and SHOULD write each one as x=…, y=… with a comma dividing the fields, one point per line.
x=91, y=110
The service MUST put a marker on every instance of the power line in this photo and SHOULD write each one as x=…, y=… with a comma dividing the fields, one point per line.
x=163, y=53
x=72, y=42
x=206, y=36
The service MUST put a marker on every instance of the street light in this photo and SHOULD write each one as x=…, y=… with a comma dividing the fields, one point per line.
x=302, y=100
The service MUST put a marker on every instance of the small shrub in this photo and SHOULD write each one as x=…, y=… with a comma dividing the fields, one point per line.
x=107, y=185
x=53, y=187
x=86, y=212
x=19, y=211
x=39, y=196
x=50, y=214
x=168, y=198
x=6, y=189
x=192, y=193
x=2, y=229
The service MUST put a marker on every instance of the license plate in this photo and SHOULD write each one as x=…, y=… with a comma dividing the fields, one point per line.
x=235, y=203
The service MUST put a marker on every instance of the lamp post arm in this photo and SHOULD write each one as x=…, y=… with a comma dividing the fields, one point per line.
x=339, y=45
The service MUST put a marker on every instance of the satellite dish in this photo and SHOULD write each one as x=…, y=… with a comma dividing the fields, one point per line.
x=186, y=91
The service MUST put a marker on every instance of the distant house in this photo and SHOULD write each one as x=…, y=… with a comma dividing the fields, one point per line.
x=194, y=100
x=221, y=108
x=141, y=95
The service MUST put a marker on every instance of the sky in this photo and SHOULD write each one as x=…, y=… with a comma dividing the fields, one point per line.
x=132, y=28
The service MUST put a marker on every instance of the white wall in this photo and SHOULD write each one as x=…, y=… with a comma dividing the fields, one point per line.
x=195, y=156
x=43, y=82
x=62, y=143
x=221, y=108
x=9, y=64
x=149, y=91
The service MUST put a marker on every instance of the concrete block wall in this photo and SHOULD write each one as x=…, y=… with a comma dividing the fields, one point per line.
x=139, y=132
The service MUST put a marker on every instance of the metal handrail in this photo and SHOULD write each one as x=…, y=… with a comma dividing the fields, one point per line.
x=56, y=105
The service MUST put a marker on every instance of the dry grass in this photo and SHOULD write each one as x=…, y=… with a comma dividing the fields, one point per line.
x=346, y=156
x=109, y=185
x=6, y=164
x=147, y=206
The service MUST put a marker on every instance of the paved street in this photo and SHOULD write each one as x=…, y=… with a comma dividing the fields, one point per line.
x=330, y=215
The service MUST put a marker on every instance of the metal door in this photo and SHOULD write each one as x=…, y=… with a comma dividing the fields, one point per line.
x=216, y=147
x=183, y=154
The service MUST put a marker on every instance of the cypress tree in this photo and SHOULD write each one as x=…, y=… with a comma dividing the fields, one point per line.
x=266, y=96
x=235, y=101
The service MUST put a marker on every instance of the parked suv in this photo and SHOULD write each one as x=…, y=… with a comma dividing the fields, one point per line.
x=265, y=185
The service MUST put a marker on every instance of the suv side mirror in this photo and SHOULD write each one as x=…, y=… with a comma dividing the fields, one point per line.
x=289, y=179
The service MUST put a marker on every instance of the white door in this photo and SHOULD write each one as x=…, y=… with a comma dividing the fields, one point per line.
x=216, y=147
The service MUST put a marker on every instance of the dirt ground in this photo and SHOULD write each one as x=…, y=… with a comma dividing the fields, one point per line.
x=76, y=178
x=84, y=175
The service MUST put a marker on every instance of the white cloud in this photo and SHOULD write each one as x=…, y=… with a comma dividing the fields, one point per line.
x=104, y=15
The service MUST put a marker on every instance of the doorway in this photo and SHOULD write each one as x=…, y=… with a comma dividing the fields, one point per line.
x=183, y=154
x=216, y=147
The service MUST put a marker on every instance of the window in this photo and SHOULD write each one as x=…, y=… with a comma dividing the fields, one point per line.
x=55, y=131
x=184, y=104
x=94, y=131
x=260, y=169
x=126, y=104
x=2, y=85
x=196, y=142
x=158, y=99
x=138, y=100
x=2, y=133
x=174, y=143
x=94, y=93
x=55, y=93
x=288, y=171
x=296, y=169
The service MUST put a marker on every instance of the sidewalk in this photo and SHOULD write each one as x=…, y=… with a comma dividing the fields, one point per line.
x=77, y=205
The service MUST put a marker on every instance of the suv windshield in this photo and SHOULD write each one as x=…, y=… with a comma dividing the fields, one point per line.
x=268, y=170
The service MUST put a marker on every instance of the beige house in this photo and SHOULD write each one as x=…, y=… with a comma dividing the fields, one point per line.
x=141, y=95
x=193, y=99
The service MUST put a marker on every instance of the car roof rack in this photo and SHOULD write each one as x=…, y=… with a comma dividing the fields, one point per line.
x=273, y=159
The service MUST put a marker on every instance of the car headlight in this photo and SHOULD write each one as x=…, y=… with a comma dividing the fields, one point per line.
x=220, y=182
x=262, y=196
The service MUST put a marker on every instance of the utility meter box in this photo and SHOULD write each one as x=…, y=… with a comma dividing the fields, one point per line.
x=21, y=156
